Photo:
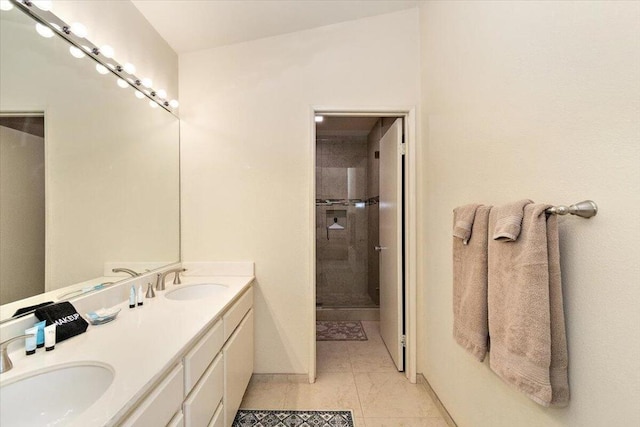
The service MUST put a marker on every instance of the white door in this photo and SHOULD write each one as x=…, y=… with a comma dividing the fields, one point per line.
x=390, y=247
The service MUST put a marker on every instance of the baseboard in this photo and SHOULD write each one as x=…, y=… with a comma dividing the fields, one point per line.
x=443, y=411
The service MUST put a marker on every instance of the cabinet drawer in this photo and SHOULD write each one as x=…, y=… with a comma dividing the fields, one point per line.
x=201, y=404
x=160, y=406
x=235, y=314
x=200, y=357
x=218, y=418
x=238, y=367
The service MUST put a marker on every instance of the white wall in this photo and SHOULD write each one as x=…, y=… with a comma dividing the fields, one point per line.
x=246, y=150
x=539, y=100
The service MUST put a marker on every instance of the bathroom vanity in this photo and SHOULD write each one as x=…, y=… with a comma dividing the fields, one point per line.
x=182, y=359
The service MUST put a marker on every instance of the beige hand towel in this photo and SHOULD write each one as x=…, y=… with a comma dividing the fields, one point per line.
x=526, y=321
x=463, y=220
x=470, y=327
x=509, y=220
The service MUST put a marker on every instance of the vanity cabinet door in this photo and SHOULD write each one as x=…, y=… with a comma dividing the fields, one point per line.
x=218, y=418
x=238, y=367
x=161, y=405
x=201, y=404
x=177, y=420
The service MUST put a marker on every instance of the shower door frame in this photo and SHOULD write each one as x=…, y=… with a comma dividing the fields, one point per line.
x=410, y=229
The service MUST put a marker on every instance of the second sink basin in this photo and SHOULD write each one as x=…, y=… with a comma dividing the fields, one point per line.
x=197, y=291
x=55, y=396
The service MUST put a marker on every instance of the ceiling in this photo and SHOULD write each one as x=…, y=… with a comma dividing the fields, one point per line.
x=191, y=25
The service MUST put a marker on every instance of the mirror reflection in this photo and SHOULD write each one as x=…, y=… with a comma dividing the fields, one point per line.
x=89, y=174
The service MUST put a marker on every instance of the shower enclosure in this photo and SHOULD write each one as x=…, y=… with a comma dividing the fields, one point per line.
x=347, y=270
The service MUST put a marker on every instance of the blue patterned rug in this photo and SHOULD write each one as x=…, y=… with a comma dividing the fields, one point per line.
x=258, y=418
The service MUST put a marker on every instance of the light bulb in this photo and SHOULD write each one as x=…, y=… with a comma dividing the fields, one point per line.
x=44, y=31
x=174, y=103
x=43, y=4
x=139, y=95
x=162, y=94
x=319, y=119
x=76, y=53
x=123, y=83
x=6, y=5
x=78, y=29
x=102, y=69
x=153, y=104
x=146, y=82
x=107, y=51
x=129, y=68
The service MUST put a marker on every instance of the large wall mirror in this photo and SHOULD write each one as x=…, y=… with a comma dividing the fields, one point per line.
x=89, y=174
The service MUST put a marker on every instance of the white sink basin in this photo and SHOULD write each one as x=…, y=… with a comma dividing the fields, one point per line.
x=197, y=291
x=53, y=397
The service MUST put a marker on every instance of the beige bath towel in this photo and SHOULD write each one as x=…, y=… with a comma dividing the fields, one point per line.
x=526, y=321
x=508, y=220
x=470, y=327
x=463, y=220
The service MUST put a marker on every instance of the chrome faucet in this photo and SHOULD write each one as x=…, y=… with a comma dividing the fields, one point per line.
x=160, y=283
x=125, y=270
x=5, y=362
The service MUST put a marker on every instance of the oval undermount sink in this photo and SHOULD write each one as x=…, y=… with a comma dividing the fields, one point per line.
x=197, y=291
x=55, y=396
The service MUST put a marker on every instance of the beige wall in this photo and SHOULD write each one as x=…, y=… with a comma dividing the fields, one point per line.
x=246, y=155
x=21, y=215
x=538, y=100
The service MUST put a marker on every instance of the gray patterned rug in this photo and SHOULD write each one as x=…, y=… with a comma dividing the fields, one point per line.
x=262, y=418
x=340, y=330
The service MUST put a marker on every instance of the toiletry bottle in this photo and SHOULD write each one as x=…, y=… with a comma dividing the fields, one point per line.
x=30, y=342
x=50, y=337
x=40, y=336
x=132, y=297
x=140, y=296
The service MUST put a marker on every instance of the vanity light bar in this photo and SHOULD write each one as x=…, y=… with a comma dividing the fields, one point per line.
x=66, y=31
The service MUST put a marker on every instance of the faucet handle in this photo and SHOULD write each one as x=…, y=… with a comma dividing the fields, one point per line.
x=5, y=361
x=176, y=278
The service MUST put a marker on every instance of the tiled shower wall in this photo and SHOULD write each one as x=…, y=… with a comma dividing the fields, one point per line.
x=341, y=255
x=345, y=170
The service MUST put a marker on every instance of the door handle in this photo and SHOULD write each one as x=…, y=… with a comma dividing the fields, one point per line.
x=379, y=248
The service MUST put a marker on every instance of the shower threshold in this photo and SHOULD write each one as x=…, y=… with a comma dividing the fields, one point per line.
x=347, y=313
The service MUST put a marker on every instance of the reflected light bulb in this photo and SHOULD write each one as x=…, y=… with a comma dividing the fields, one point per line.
x=129, y=68
x=44, y=31
x=123, y=83
x=153, y=104
x=6, y=5
x=43, y=4
x=139, y=95
x=107, y=51
x=78, y=29
x=146, y=82
x=76, y=53
x=174, y=103
x=101, y=69
x=162, y=93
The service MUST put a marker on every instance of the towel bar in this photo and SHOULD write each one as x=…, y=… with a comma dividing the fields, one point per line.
x=584, y=209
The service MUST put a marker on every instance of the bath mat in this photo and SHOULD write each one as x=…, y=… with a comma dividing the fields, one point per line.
x=340, y=330
x=261, y=418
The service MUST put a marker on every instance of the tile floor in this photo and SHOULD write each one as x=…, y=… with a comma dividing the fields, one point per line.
x=355, y=375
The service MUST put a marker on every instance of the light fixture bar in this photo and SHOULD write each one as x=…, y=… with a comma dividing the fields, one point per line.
x=61, y=28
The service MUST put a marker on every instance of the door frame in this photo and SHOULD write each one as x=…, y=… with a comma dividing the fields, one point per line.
x=410, y=229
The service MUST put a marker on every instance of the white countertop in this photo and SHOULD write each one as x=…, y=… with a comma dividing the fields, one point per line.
x=140, y=344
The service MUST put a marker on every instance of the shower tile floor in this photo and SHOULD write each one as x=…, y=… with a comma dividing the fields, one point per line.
x=352, y=375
